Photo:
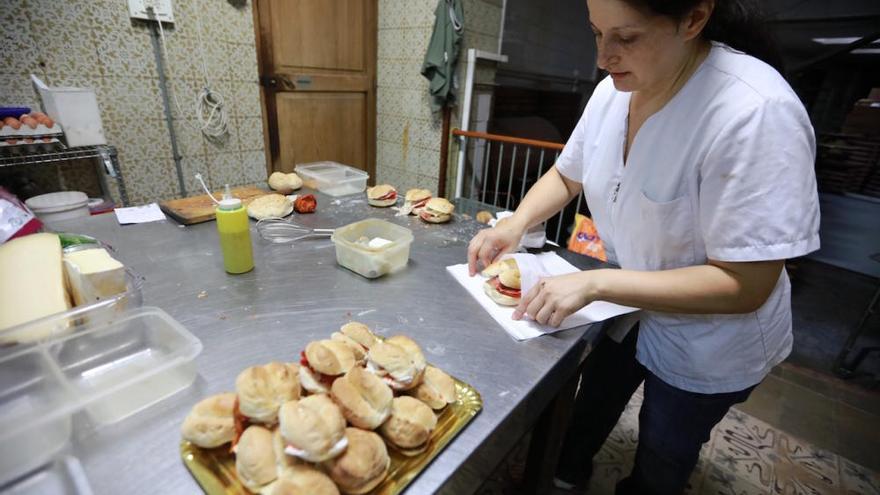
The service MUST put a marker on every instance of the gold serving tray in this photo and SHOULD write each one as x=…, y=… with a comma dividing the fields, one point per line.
x=214, y=469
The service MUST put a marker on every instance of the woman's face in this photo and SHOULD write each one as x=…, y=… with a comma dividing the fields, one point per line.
x=639, y=51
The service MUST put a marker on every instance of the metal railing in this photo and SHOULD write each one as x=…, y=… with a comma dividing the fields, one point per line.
x=499, y=170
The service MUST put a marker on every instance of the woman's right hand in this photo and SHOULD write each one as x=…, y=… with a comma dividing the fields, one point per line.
x=490, y=244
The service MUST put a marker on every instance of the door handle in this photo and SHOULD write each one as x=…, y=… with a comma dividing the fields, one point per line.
x=277, y=82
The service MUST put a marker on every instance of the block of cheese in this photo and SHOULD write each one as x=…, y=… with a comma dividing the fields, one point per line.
x=93, y=275
x=31, y=286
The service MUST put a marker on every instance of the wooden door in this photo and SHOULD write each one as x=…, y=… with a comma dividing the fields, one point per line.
x=318, y=74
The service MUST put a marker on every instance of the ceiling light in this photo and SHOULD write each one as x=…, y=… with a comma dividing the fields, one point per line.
x=839, y=41
x=867, y=51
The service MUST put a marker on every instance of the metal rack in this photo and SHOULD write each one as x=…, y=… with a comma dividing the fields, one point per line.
x=107, y=163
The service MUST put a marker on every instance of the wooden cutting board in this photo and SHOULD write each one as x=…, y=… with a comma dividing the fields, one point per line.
x=198, y=209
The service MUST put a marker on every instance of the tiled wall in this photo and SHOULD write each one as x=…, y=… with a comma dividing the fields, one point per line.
x=94, y=43
x=408, y=134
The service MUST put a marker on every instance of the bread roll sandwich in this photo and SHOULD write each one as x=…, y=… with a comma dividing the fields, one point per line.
x=410, y=425
x=436, y=390
x=365, y=400
x=284, y=183
x=269, y=206
x=415, y=200
x=210, y=423
x=382, y=195
x=321, y=362
x=262, y=389
x=503, y=285
x=437, y=210
x=313, y=428
x=303, y=480
x=357, y=336
x=255, y=458
x=398, y=361
x=363, y=465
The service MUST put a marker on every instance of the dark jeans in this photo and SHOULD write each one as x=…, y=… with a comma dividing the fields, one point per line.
x=673, y=423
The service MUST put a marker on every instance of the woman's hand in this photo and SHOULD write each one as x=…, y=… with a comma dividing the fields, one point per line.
x=489, y=244
x=553, y=299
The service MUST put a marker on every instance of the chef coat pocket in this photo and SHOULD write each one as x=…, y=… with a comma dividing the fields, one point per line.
x=667, y=232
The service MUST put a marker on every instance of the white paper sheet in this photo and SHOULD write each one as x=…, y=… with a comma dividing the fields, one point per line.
x=532, y=268
x=139, y=214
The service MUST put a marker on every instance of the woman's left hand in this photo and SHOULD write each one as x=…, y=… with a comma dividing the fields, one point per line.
x=553, y=299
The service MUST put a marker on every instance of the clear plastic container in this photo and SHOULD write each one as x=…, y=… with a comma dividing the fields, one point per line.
x=106, y=309
x=109, y=368
x=333, y=178
x=65, y=476
x=353, y=250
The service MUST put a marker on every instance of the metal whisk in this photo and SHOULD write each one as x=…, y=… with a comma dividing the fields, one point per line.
x=281, y=231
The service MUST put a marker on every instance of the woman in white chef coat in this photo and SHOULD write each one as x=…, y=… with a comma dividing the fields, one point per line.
x=696, y=160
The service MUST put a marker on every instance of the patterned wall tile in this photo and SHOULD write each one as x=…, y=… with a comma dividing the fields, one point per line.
x=245, y=66
x=190, y=141
x=227, y=168
x=138, y=140
x=404, y=74
x=130, y=98
x=250, y=133
x=126, y=53
x=190, y=166
x=246, y=96
x=254, y=164
x=183, y=57
x=81, y=175
x=404, y=102
x=150, y=180
x=405, y=13
x=16, y=92
x=19, y=55
x=403, y=43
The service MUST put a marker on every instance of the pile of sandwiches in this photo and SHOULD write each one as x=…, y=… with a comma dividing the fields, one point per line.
x=324, y=425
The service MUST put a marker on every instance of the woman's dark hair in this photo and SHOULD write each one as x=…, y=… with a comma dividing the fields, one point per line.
x=740, y=24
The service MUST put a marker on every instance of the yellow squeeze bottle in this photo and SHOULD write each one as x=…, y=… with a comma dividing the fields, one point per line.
x=233, y=227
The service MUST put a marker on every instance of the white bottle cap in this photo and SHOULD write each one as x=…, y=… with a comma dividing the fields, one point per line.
x=229, y=202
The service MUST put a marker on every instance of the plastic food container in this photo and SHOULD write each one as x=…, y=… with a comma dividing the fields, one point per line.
x=105, y=310
x=332, y=178
x=65, y=476
x=353, y=249
x=58, y=206
x=109, y=369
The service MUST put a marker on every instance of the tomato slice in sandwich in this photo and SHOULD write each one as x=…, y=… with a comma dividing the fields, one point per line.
x=390, y=195
x=503, y=289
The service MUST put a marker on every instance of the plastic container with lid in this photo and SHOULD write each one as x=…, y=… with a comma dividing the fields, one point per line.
x=332, y=178
x=372, y=247
x=107, y=368
x=57, y=206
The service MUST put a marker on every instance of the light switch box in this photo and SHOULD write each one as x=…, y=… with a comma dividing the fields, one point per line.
x=139, y=9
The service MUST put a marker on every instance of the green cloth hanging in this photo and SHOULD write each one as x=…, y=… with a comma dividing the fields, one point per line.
x=442, y=55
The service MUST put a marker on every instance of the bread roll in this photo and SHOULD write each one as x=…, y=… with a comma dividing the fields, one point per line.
x=499, y=266
x=382, y=195
x=436, y=390
x=269, y=206
x=360, y=333
x=363, y=465
x=399, y=361
x=329, y=357
x=210, y=423
x=262, y=389
x=410, y=425
x=285, y=183
x=313, y=428
x=304, y=480
x=437, y=210
x=365, y=400
x=255, y=458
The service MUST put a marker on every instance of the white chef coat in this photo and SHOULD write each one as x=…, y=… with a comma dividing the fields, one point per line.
x=724, y=171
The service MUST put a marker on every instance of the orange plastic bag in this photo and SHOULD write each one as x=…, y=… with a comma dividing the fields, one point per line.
x=585, y=239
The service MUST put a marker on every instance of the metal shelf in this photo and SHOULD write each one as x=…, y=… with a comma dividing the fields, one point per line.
x=108, y=163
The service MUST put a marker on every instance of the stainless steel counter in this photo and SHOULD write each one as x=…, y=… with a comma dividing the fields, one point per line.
x=297, y=293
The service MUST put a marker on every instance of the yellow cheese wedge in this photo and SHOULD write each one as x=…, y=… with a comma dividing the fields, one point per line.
x=93, y=275
x=31, y=286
